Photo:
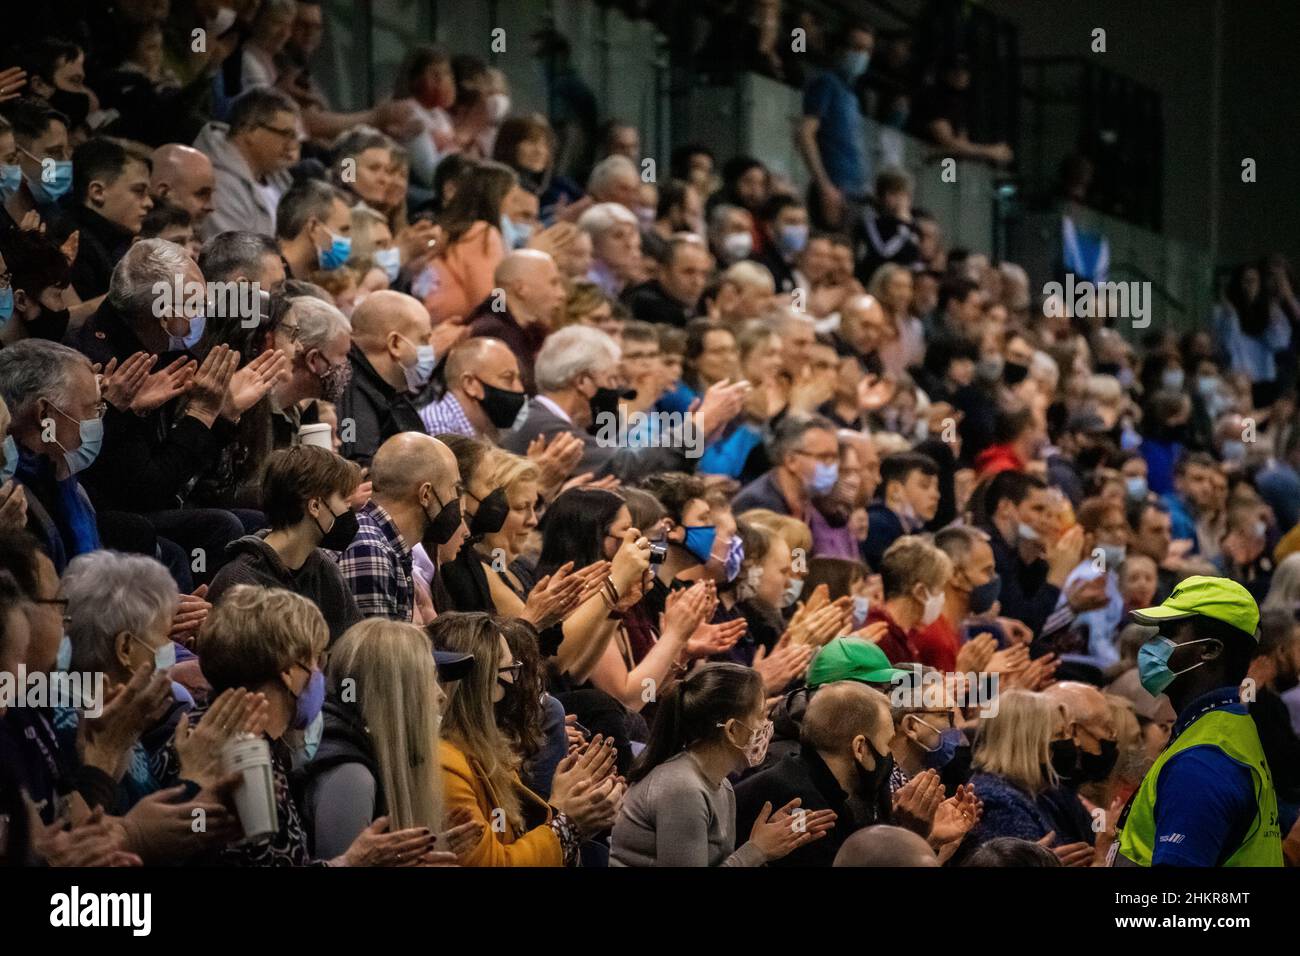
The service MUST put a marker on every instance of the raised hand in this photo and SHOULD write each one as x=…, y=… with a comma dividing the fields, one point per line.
x=917, y=801
x=210, y=384
x=374, y=846
x=786, y=662
x=249, y=385
x=13, y=505
x=975, y=654
x=128, y=711
x=554, y=597
x=191, y=611
x=777, y=834
x=165, y=384
x=236, y=711
x=94, y=841
x=119, y=384
x=711, y=639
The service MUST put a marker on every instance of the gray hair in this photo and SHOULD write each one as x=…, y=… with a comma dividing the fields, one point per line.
x=108, y=593
x=147, y=263
x=749, y=274
x=720, y=213
x=604, y=216
x=608, y=171
x=570, y=352
x=318, y=321
x=231, y=255
x=36, y=368
x=305, y=201
x=787, y=436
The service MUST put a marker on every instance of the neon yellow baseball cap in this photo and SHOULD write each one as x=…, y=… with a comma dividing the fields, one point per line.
x=1220, y=598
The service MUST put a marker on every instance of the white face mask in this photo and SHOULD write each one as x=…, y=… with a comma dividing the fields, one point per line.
x=1026, y=532
x=737, y=245
x=932, y=609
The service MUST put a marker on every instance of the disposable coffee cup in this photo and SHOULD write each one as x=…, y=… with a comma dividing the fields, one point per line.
x=250, y=757
x=318, y=435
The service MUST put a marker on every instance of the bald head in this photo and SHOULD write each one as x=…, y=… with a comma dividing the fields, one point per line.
x=1084, y=704
x=477, y=356
x=183, y=176
x=386, y=312
x=843, y=711
x=409, y=464
x=533, y=285
x=885, y=845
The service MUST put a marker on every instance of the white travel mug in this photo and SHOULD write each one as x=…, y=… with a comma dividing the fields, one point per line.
x=318, y=435
x=255, y=795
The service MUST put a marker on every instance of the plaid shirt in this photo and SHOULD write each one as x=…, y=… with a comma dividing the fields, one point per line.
x=446, y=417
x=377, y=567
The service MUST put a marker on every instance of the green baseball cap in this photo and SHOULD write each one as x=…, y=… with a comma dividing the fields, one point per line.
x=1219, y=598
x=851, y=658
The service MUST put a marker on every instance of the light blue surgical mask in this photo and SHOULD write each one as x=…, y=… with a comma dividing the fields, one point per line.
x=63, y=660
x=183, y=343
x=311, y=737
x=390, y=260
x=824, y=477
x=336, y=254
x=418, y=375
x=515, y=234
x=861, y=605
x=699, y=541
x=793, y=588
x=46, y=193
x=1153, y=663
x=11, y=178
x=1136, y=487
x=792, y=240
x=11, y=459
x=853, y=63
x=6, y=305
x=91, y=431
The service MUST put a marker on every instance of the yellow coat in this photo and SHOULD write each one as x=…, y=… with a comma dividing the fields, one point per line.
x=466, y=785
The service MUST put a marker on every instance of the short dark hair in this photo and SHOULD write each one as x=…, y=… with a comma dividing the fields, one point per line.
x=163, y=216
x=103, y=159
x=671, y=193
x=789, y=432
x=899, y=466
x=1010, y=423
x=31, y=116
x=679, y=164
x=35, y=262
x=230, y=254
x=776, y=205
x=256, y=106
x=1012, y=851
x=18, y=550
x=675, y=490
x=306, y=200
x=1013, y=486
x=956, y=287
x=293, y=476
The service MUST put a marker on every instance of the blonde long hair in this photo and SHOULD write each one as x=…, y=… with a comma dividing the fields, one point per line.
x=1017, y=743
x=470, y=721
x=394, y=683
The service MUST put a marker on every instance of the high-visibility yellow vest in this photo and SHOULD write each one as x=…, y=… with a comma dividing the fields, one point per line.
x=1237, y=736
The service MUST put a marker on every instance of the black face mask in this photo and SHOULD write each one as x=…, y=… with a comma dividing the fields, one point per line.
x=493, y=509
x=50, y=325
x=1095, y=767
x=501, y=406
x=872, y=780
x=341, y=532
x=983, y=596
x=956, y=771
x=605, y=402
x=1065, y=758
x=1013, y=373
x=442, y=526
x=75, y=106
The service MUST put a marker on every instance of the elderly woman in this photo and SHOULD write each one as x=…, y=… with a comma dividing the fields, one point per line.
x=120, y=610
x=616, y=246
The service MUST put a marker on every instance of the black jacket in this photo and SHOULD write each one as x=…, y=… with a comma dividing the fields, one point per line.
x=650, y=302
x=376, y=410
x=148, y=462
x=1026, y=596
x=102, y=244
x=250, y=560
x=806, y=776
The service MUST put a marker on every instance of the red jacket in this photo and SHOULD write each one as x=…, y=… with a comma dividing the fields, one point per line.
x=895, y=643
x=997, y=458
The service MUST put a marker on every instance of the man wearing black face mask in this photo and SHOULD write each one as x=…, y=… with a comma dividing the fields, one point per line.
x=843, y=765
x=416, y=500
x=38, y=274
x=1088, y=755
x=484, y=392
x=305, y=493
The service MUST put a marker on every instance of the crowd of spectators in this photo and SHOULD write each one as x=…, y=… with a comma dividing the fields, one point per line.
x=535, y=513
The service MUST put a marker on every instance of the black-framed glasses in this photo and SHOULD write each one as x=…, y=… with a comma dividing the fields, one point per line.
x=57, y=601
x=282, y=133
x=514, y=670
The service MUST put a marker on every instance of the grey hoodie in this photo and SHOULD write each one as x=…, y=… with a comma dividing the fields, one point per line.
x=240, y=201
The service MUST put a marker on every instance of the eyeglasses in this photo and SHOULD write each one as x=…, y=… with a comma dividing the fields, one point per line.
x=830, y=458
x=514, y=670
x=285, y=134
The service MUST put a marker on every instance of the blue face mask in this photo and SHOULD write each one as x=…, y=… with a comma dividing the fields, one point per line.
x=515, y=234
x=11, y=178
x=64, y=658
x=1135, y=486
x=418, y=375
x=46, y=193
x=853, y=63
x=735, y=557
x=699, y=541
x=11, y=459
x=942, y=754
x=183, y=343
x=337, y=254
x=792, y=240
x=823, y=478
x=311, y=737
x=310, y=700
x=6, y=305
x=390, y=260
x=1153, y=664
x=91, y=431
x=861, y=605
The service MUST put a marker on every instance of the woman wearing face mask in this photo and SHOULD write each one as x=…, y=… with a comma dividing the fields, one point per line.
x=375, y=257
x=269, y=641
x=518, y=828
x=1014, y=757
x=305, y=496
x=710, y=725
x=914, y=574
